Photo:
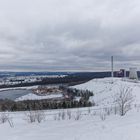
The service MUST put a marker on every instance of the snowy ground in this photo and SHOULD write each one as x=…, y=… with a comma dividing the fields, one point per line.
x=90, y=126
x=104, y=89
x=18, y=88
x=32, y=96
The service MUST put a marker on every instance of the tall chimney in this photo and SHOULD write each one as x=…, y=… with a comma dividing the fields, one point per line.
x=112, y=71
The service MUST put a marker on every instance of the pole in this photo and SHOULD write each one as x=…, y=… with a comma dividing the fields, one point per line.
x=112, y=71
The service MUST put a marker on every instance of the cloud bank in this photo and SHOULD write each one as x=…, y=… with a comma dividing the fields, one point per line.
x=72, y=35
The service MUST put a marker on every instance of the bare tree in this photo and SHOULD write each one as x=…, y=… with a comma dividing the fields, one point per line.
x=124, y=99
x=40, y=116
x=30, y=116
x=69, y=114
x=63, y=115
x=78, y=115
x=33, y=116
x=89, y=110
x=4, y=117
x=103, y=115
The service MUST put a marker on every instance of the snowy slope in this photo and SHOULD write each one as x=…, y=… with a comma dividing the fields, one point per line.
x=90, y=126
x=87, y=128
x=104, y=89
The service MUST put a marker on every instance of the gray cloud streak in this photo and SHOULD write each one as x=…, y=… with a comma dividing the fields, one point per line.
x=54, y=35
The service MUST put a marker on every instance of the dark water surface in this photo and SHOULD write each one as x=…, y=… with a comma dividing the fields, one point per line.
x=13, y=94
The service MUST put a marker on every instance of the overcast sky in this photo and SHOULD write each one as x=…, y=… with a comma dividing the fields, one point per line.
x=69, y=35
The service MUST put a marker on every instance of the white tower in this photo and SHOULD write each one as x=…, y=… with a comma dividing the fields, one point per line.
x=112, y=68
x=133, y=74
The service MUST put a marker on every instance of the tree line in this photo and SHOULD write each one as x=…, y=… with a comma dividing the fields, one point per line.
x=9, y=105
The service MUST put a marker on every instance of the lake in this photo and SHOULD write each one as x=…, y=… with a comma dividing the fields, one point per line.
x=13, y=94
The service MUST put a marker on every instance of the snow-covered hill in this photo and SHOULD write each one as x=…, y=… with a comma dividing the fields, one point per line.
x=105, y=89
x=92, y=123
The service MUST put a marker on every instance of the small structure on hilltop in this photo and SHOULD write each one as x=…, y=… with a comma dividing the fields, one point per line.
x=133, y=74
x=121, y=73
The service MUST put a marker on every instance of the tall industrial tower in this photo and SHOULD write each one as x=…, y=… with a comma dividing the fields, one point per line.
x=112, y=66
x=133, y=74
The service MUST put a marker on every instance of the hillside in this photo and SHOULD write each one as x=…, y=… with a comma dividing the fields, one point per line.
x=83, y=123
x=105, y=89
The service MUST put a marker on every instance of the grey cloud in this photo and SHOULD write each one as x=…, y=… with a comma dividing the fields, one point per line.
x=74, y=36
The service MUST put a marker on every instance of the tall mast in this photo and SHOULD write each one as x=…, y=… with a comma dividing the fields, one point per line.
x=112, y=69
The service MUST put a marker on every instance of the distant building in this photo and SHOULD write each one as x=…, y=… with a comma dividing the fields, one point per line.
x=133, y=73
x=121, y=73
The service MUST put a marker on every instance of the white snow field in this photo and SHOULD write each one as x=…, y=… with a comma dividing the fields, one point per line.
x=104, y=89
x=18, y=88
x=32, y=96
x=84, y=123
